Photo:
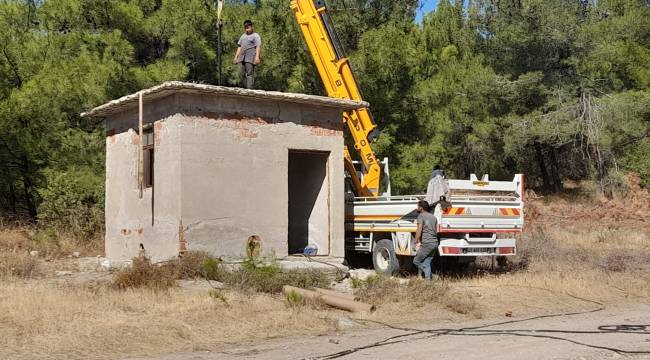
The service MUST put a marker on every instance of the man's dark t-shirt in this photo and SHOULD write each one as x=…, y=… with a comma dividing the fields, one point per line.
x=248, y=44
x=429, y=225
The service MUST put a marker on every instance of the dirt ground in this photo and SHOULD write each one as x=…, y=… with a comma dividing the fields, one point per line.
x=609, y=333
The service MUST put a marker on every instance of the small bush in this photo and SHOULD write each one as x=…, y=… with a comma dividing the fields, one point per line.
x=267, y=276
x=19, y=265
x=254, y=274
x=294, y=299
x=191, y=265
x=142, y=273
x=73, y=202
x=212, y=269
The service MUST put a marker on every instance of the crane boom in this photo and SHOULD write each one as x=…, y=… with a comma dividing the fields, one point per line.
x=336, y=73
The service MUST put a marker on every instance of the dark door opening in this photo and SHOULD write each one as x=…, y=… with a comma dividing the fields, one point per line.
x=308, y=201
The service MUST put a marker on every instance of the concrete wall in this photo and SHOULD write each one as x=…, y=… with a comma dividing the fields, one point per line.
x=235, y=166
x=154, y=219
x=221, y=175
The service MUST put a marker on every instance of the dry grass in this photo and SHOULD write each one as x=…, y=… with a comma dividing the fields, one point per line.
x=416, y=292
x=40, y=320
x=48, y=243
x=19, y=265
x=561, y=264
x=265, y=275
x=256, y=275
x=142, y=273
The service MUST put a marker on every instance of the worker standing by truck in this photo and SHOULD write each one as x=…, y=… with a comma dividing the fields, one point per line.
x=426, y=239
x=247, y=55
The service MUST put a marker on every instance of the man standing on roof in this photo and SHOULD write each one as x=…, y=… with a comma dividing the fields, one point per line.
x=248, y=54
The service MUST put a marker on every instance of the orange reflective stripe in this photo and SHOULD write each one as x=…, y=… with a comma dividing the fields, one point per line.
x=509, y=212
x=454, y=211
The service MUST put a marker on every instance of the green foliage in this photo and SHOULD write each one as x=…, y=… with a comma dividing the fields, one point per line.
x=294, y=299
x=264, y=275
x=555, y=89
x=73, y=200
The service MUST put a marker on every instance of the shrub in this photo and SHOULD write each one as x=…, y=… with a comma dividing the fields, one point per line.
x=73, y=202
x=211, y=268
x=294, y=299
x=190, y=265
x=142, y=273
x=254, y=274
x=267, y=276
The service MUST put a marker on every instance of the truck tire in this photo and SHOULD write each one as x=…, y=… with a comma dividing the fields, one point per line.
x=384, y=259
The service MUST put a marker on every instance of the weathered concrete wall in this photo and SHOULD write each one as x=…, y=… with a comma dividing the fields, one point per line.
x=129, y=218
x=153, y=220
x=221, y=175
x=235, y=171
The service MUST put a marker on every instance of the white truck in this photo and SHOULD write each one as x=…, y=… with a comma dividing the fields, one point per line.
x=483, y=220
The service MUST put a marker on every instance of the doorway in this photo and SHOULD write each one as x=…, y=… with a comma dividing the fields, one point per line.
x=308, y=202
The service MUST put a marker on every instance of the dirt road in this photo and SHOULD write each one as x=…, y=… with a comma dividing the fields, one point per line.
x=553, y=337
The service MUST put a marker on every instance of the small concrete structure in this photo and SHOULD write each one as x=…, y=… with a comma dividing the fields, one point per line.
x=219, y=165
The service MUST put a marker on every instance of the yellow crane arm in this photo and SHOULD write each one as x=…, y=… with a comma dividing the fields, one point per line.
x=335, y=71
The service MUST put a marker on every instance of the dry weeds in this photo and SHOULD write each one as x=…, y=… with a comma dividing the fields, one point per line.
x=39, y=320
x=562, y=265
x=19, y=265
x=49, y=244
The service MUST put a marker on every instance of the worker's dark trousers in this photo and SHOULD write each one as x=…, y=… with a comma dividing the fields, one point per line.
x=247, y=74
x=424, y=257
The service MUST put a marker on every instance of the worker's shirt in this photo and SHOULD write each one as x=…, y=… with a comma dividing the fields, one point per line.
x=248, y=44
x=429, y=225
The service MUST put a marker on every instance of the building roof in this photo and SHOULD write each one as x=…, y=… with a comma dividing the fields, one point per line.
x=172, y=87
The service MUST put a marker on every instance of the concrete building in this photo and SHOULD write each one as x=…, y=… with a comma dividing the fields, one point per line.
x=215, y=165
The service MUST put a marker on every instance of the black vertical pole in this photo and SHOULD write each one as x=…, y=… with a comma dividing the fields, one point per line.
x=219, y=52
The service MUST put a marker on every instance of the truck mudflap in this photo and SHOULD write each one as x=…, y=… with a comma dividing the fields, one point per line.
x=489, y=246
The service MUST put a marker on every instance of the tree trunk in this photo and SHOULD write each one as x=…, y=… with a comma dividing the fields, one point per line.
x=542, y=165
x=557, y=180
x=12, y=199
x=27, y=189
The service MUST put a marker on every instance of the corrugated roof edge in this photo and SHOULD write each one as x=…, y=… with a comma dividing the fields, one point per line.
x=166, y=88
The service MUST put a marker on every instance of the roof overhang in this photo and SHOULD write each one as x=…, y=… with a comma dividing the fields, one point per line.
x=173, y=87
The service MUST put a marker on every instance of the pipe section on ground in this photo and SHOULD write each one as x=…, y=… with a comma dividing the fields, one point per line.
x=331, y=300
x=336, y=293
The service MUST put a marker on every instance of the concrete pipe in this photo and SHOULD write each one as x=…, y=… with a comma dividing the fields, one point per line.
x=334, y=301
x=350, y=297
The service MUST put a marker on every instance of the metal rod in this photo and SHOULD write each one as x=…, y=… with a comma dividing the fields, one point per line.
x=219, y=52
x=140, y=151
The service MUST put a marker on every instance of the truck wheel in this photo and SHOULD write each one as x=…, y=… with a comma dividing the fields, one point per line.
x=384, y=259
x=502, y=261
